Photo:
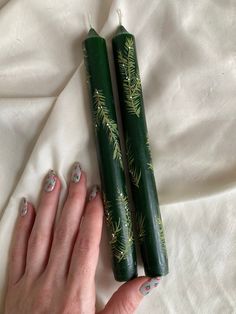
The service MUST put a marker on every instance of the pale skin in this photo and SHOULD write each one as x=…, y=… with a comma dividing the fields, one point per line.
x=52, y=265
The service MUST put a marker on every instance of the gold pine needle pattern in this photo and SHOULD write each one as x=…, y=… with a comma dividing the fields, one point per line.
x=102, y=117
x=120, y=245
x=162, y=235
x=149, y=164
x=125, y=242
x=114, y=227
x=140, y=227
x=130, y=77
x=135, y=174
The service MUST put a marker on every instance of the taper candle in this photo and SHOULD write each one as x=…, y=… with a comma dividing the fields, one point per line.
x=148, y=216
x=116, y=205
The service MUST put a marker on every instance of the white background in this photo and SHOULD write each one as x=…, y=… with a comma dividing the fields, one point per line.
x=187, y=58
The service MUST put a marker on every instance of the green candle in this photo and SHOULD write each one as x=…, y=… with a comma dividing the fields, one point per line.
x=117, y=211
x=148, y=216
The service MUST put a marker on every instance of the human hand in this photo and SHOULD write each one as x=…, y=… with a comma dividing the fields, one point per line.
x=52, y=266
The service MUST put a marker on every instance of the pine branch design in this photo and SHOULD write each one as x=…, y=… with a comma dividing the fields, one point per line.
x=119, y=244
x=162, y=235
x=107, y=205
x=140, y=227
x=123, y=202
x=148, y=144
x=134, y=173
x=102, y=117
x=114, y=227
x=131, y=78
x=125, y=243
x=149, y=164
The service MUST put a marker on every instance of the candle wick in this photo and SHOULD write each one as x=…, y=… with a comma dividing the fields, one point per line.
x=90, y=20
x=118, y=11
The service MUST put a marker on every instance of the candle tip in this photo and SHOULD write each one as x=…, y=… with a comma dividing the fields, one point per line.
x=121, y=30
x=92, y=32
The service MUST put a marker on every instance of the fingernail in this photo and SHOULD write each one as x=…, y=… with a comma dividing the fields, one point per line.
x=23, y=207
x=149, y=285
x=50, y=181
x=76, y=173
x=94, y=192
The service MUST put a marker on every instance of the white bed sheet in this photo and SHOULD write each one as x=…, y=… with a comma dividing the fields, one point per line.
x=187, y=57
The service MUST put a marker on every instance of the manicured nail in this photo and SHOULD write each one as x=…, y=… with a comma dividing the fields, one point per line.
x=50, y=181
x=149, y=285
x=23, y=207
x=94, y=192
x=76, y=173
x=156, y=281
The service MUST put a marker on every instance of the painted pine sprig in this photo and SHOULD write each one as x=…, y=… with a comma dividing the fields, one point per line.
x=130, y=78
x=120, y=244
x=102, y=117
x=140, y=227
x=149, y=164
x=124, y=203
x=162, y=234
x=135, y=174
x=113, y=226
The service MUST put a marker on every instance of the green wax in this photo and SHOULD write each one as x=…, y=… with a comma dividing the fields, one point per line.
x=116, y=206
x=148, y=216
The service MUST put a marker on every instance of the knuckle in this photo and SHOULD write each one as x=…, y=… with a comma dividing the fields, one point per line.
x=68, y=308
x=86, y=244
x=43, y=299
x=14, y=256
x=48, y=200
x=37, y=238
x=22, y=225
x=77, y=191
x=91, y=213
x=76, y=194
x=128, y=305
x=62, y=232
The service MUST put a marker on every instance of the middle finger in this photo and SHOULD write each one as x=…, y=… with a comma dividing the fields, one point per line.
x=67, y=228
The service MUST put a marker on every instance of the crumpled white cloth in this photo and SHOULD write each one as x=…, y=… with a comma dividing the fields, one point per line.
x=187, y=58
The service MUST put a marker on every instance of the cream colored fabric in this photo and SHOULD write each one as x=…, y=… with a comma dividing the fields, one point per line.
x=187, y=57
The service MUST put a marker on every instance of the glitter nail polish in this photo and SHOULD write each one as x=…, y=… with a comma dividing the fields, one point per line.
x=76, y=173
x=149, y=285
x=94, y=192
x=50, y=181
x=23, y=207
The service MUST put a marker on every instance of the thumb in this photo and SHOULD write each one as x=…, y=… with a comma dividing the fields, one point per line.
x=127, y=298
